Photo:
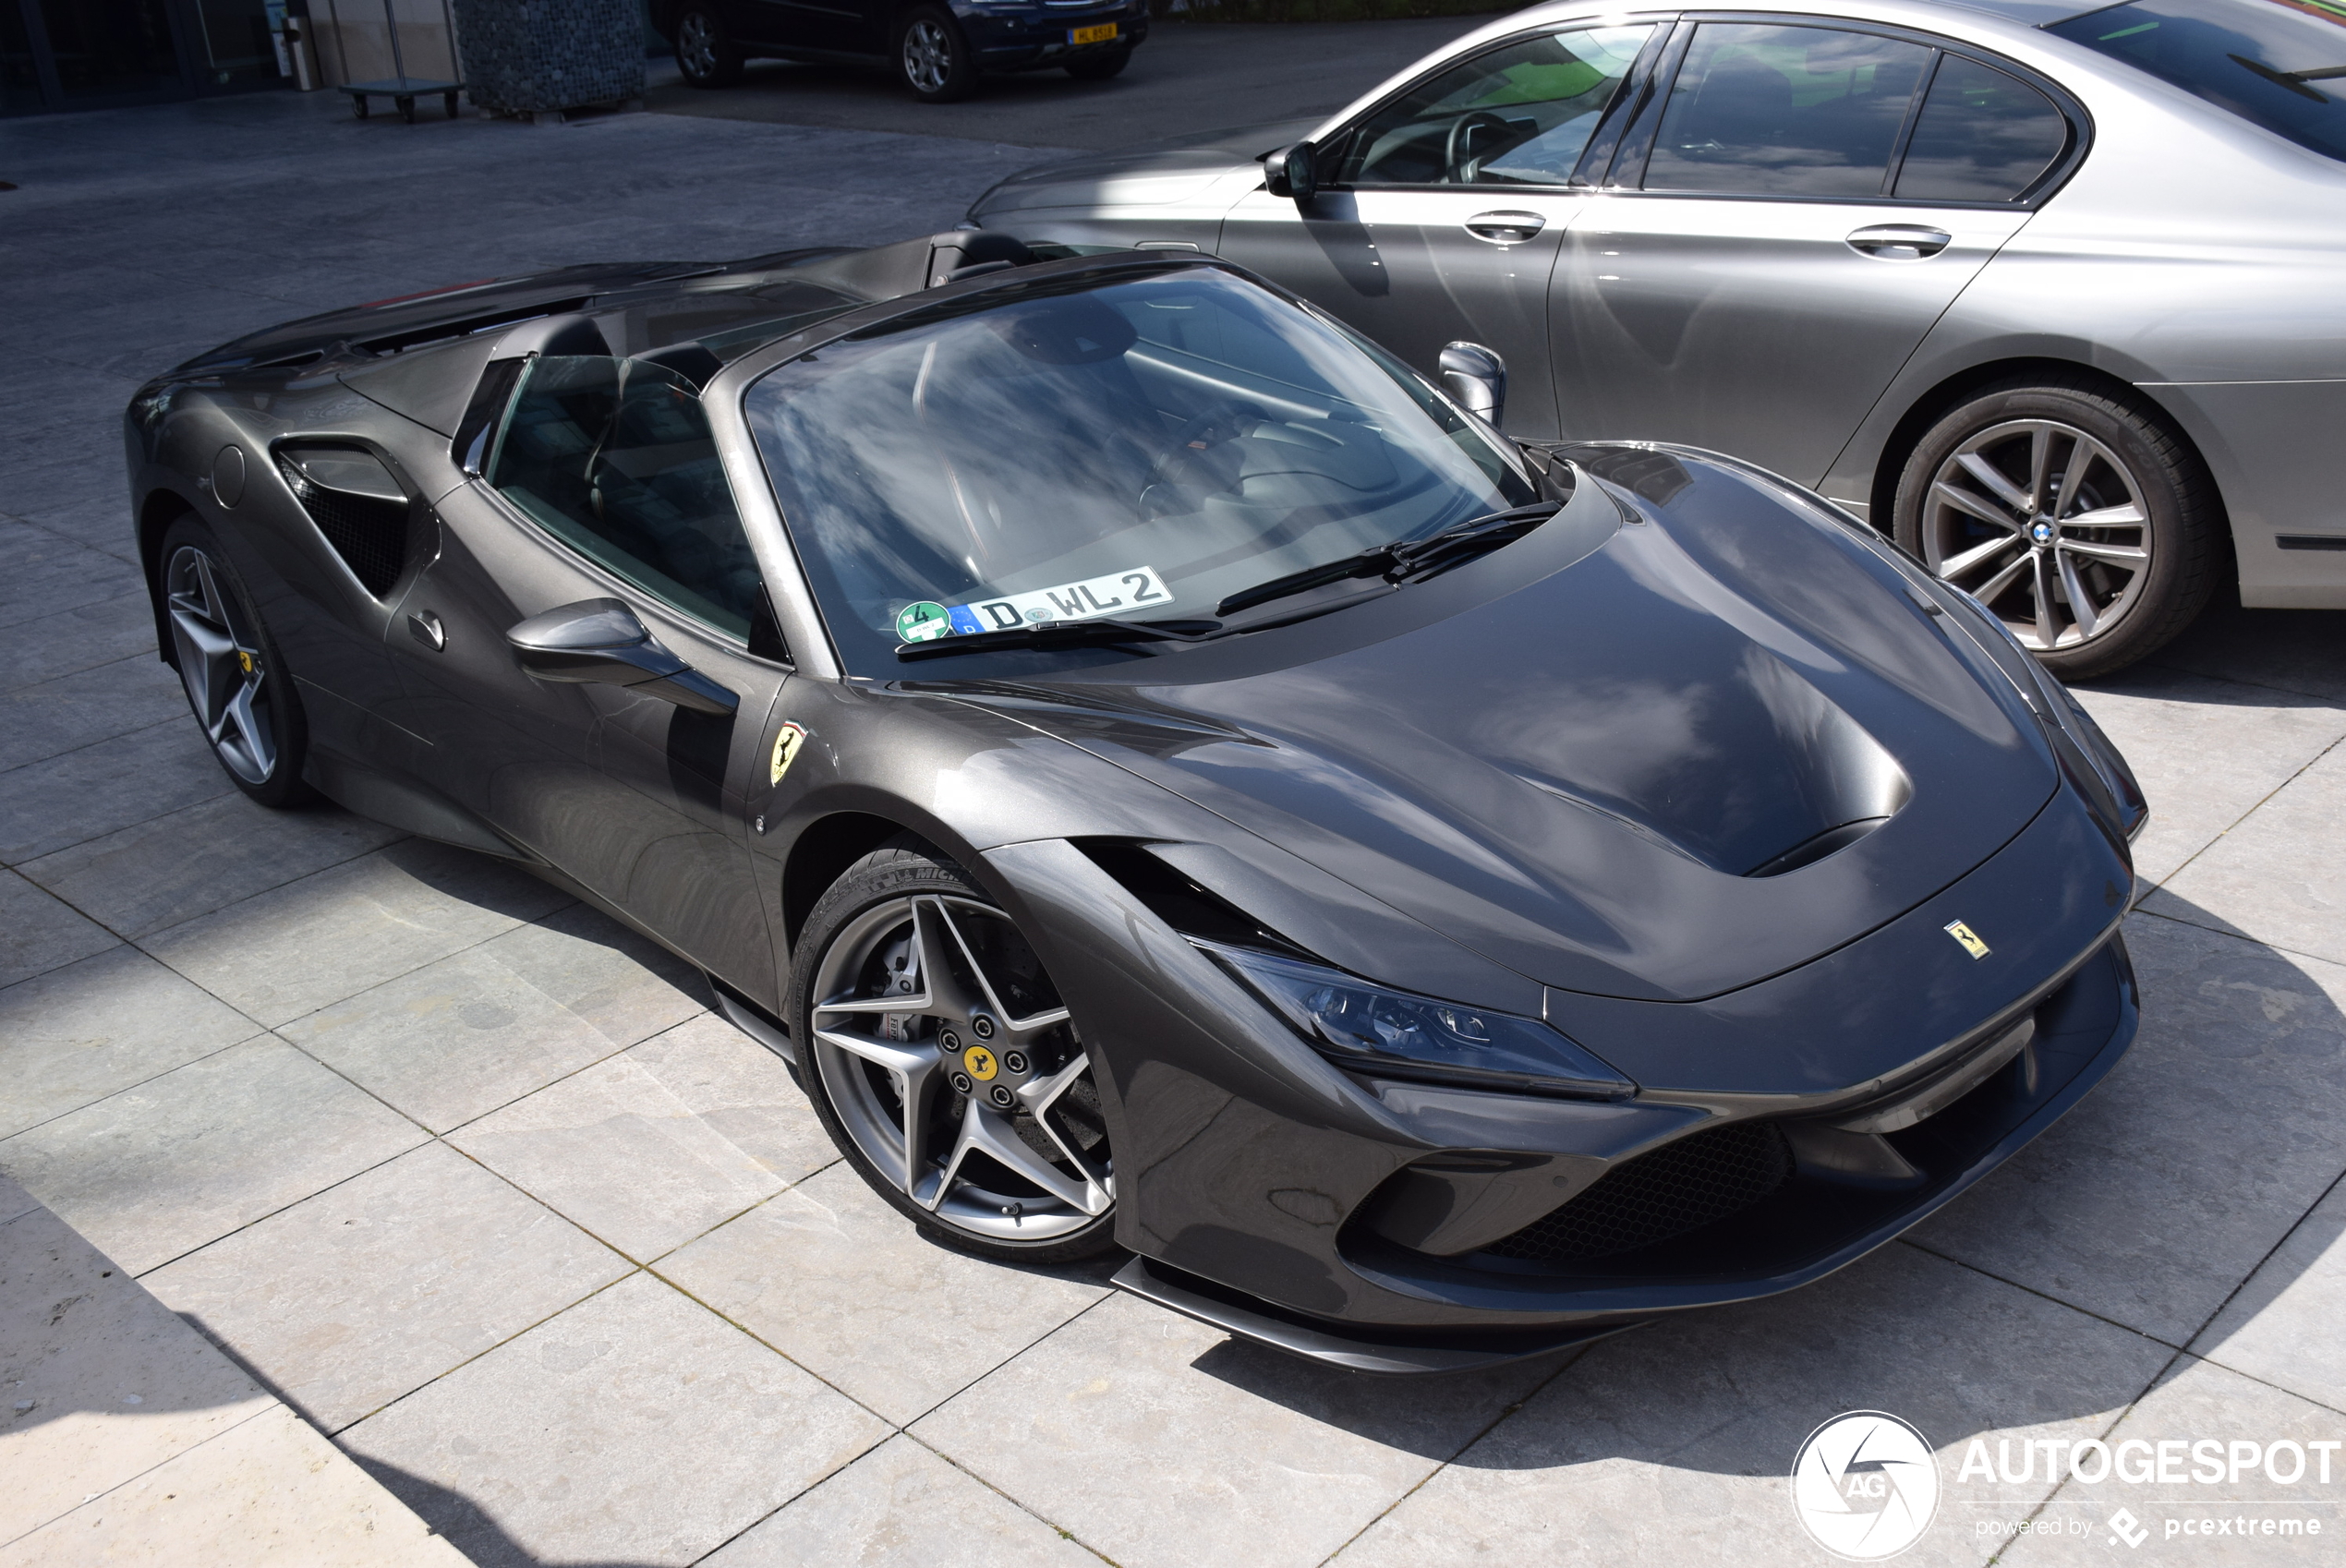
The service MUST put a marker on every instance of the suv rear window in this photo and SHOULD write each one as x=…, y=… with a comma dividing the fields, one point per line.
x=2278, y=64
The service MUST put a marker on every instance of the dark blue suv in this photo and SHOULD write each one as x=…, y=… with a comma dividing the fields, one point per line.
x=937, y=48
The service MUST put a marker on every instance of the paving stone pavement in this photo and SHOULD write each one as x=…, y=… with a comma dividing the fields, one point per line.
x=474, y=1182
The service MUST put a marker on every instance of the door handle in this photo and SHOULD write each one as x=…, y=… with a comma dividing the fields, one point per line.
x=1506, y=228
x=1899, y=242
x=425, y=628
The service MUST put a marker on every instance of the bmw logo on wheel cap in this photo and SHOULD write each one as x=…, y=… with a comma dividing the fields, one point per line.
x=2042, y=533
x=1866, y=1485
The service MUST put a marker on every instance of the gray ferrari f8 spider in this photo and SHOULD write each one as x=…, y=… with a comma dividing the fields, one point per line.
x=1168, y=775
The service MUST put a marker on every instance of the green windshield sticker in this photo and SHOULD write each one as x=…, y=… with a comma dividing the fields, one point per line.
x=923, y=622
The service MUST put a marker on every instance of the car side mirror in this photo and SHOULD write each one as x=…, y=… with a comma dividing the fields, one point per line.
x=601, y=642
x=1476, y=379
x=1292, y=172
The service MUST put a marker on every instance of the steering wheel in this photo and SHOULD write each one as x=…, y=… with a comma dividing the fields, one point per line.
x=1459, y=147
x=1195, y=459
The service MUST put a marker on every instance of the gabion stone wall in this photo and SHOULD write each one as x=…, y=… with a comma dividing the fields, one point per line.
x=521, y=56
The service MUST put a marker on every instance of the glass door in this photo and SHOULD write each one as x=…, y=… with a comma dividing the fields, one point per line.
x=107, y=50
x=237, y=46
x=101, y=54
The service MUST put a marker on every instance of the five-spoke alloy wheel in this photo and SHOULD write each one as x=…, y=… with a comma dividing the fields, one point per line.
x=945, y=1066
x=235, y=683
x=2080, y=521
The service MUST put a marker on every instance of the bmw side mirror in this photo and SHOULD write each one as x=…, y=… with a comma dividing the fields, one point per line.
x=1476, y=379
x=1292, y=172
x=601, y=642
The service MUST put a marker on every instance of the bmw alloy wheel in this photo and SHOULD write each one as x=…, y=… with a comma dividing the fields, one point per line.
x=2045, y=526
x=928, y=55
x=955, y=1069
x=221, y=664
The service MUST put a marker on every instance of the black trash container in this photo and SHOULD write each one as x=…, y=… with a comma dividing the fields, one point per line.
x=532, y=57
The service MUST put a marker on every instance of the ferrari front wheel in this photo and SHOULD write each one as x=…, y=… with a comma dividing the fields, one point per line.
x=942, y=1062
x=235, y=678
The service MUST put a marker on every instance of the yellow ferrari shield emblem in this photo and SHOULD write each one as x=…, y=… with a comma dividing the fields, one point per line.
x=786, y=744
x=979, y=1062
x=1969, y=938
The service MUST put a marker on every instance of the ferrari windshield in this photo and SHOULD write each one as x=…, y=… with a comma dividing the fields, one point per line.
x=2278, y=64
x=1137, y=447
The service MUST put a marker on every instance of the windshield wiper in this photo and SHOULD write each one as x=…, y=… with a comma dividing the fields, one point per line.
x=1404, y=561
x=1105, y=633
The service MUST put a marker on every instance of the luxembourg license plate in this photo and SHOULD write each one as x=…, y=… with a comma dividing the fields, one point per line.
x=1099, y=34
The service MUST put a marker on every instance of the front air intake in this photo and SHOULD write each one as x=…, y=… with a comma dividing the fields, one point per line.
x=1679, y=1188
x=357, y=505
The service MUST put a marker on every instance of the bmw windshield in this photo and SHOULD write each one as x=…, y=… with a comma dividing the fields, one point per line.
x=1131, y=446
x=2278, y=64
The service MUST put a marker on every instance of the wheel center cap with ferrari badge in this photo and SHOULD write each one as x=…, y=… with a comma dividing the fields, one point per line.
x=980, y=1063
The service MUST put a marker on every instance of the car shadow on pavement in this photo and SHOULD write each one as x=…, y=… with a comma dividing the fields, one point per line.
x=450, y=1514
x=2293, y=650
x=2059, y=1289
x=460, y=1521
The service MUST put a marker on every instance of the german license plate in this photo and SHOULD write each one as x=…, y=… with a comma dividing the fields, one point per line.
x=1099, y=34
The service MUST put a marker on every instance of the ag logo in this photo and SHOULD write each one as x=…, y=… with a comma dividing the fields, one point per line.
x=786, y=746
x=1866, y=1485
x=979, y=1063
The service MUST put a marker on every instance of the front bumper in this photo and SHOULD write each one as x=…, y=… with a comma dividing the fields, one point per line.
x=1817, y=1221
x=1038, y=37
x=1270, y=1194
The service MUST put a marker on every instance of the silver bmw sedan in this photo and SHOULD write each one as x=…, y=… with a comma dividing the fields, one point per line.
x=2052, y=295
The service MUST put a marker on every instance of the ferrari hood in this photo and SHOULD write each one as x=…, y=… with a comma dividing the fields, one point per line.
x=1720, y=744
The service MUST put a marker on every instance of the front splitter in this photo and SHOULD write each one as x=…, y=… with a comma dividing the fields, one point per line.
x=1394, y=1352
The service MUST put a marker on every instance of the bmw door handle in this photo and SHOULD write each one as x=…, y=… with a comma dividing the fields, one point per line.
x=1899, y=242
x=1506, y=228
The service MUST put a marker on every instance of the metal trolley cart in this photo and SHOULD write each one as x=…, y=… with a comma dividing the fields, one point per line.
x=401, y=88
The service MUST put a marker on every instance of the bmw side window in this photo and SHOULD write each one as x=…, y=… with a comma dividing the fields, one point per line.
x=1785, y=111
x=615, y=458
x=1983, y=135
x=1518, y=116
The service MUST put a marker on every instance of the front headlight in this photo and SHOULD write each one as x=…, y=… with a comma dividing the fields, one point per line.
x=1372, y=1028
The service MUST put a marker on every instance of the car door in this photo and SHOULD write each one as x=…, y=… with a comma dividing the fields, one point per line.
x=1446, y=205
x=1780, y=229
x=602, y=481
